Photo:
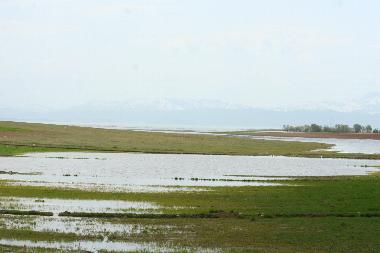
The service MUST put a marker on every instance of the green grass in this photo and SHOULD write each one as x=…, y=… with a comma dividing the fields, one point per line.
x=46, y=137
x=11, y=150
x=306, y=217
x=5, y=128
x=82, y=138
x=310, y=214
x=272, y=216
x=313, y=195
x=275, y=235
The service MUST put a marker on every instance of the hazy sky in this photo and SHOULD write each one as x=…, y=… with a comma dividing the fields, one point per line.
x=261, y=53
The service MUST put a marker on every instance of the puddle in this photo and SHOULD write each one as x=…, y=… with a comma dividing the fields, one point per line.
x=108, y=187
x=79, y=226
x=90, y=206
x=96, y=246
x=91, y=246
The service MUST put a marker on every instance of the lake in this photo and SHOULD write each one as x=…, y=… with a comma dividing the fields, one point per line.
x=164, y=172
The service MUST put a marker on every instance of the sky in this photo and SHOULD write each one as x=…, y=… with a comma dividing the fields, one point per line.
x=273, y=53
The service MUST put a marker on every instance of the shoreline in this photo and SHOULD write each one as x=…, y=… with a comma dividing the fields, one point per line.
x=322, y=135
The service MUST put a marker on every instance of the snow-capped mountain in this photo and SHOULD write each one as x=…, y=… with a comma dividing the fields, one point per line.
x=198, y=112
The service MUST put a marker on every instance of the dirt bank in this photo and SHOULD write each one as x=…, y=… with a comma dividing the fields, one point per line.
x=371, y=136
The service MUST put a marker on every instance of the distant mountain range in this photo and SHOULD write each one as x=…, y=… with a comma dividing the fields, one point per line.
x=202, y=114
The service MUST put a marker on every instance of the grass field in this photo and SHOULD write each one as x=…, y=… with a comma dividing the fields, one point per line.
x=306, y=214
x=18, y=138
x=34, y=136
x=311, y=195
x=332, y=214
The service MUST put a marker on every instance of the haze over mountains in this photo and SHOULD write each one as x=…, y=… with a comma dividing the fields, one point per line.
x=193, y=113
x=176, y=63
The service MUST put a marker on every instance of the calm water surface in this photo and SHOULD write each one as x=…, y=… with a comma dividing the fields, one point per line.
x=364, y=146
x=133, y=171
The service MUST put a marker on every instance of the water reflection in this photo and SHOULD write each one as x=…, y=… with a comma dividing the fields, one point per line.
x=139, y=172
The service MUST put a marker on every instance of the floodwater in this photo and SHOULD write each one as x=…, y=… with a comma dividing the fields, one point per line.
x=78, y=225
x=92, y=246
x=136, y=171
x=96, y=246
x=364, y=146
x=57, y=206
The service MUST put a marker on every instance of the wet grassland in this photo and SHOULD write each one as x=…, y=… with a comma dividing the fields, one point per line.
x=19, y=138
x=327, y=214
x=303, y=214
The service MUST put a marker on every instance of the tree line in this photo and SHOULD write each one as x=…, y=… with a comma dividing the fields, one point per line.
x=338, y=128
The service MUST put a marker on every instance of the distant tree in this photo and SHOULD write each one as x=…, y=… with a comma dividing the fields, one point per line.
x=339, y=128
x=315, y=128
x=328, y=129
x=358, y=128
x=368, y=129
x=307, y=128
x=342, y=128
